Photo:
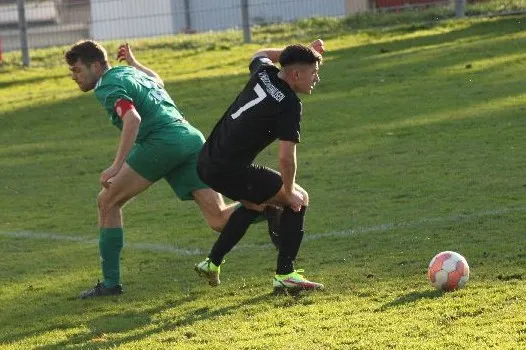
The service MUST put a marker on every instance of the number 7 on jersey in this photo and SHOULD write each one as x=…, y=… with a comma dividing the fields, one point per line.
x=261, y=94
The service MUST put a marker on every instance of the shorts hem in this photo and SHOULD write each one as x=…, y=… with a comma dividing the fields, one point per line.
x=187, y=196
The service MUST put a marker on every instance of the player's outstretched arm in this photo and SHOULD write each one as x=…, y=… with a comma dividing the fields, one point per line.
x=273, y=53
x=125, y=54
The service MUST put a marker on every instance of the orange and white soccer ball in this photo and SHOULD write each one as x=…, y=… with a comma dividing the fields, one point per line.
x=448, y=271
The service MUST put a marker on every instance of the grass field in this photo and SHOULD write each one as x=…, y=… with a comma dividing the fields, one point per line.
x=413, y=143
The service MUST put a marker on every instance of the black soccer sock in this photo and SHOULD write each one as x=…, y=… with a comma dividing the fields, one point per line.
x=291, y=235
x=234, y=230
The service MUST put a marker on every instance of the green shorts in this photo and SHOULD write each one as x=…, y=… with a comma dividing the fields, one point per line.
x=172, y=154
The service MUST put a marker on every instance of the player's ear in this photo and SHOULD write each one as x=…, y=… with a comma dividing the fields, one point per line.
x=296, y=73
x=95, y=66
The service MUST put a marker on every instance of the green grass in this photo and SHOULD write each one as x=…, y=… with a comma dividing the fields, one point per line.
x=414, y=139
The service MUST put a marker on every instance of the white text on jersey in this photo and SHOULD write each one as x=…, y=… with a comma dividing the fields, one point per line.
x=271, y=89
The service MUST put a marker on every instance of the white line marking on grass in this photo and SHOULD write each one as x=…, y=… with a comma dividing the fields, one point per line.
x=418, y=222
x=151, y=247
x=154, y=247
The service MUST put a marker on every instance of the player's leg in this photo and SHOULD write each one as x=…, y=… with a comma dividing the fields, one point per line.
x=213, y=207
x=232, y=223
x=255, y=184
x=232, y=232
x=147, y=162
x=125, y=185
x=258, y=185
x=291, y=228
x=292, y=231
x=217, y=213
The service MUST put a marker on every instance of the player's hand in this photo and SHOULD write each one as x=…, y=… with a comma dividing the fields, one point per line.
x=296, y=200
x=107, y=175
x=318, y=45
x=125, y=54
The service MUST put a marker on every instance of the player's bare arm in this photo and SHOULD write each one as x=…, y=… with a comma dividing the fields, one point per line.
x=131, y=121
x=125, y=53
x=287, y=165
x=273, y=53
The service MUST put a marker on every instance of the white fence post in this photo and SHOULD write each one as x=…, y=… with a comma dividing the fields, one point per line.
x=460, y=8
x=22, y=23
x=187, y=17
x=246, y=21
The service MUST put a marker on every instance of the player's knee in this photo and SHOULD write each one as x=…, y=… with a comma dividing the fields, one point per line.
x=106, y=201
x=305, y=195
x=102, y=200
x=306, y=199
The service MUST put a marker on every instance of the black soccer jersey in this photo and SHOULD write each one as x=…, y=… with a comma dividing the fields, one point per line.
x=267, y=109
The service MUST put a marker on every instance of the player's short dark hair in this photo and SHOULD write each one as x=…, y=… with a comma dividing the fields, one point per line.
x=88, y=52
x=293, y=54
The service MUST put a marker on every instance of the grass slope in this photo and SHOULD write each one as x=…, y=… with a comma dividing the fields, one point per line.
x=414, y=139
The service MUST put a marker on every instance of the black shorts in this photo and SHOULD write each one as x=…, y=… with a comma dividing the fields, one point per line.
x=253, y=183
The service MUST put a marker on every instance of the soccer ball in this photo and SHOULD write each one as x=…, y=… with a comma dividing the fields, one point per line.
x=448, y=271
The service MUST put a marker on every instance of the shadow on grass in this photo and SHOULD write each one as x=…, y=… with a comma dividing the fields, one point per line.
x=31, y=80
x=412, y=298
x=100, y=326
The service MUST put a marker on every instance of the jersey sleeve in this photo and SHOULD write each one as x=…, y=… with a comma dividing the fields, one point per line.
x=289, y=122
x=259, y=63
x=108, y=95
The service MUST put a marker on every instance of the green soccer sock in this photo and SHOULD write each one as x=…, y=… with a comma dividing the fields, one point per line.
x=110, y=246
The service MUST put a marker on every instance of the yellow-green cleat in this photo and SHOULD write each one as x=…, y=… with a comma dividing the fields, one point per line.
x=294, y=282
x=210, y=271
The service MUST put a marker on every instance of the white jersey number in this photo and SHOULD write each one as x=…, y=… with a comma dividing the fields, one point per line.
x=261, y=94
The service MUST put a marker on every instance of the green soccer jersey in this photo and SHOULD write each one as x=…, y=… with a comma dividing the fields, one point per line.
x=152, y=102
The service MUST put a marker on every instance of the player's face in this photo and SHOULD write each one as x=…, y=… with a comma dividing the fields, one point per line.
x=84, y=75
x=307, y=77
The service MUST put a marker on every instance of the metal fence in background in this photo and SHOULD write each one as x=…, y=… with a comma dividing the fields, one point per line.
x=48, y=22
x=45, y=23
x=58, y=22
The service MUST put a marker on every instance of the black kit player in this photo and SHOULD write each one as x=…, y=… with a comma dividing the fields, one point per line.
x=267, y=109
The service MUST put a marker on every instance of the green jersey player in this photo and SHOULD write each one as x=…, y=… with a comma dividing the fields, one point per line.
x=156, y=142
